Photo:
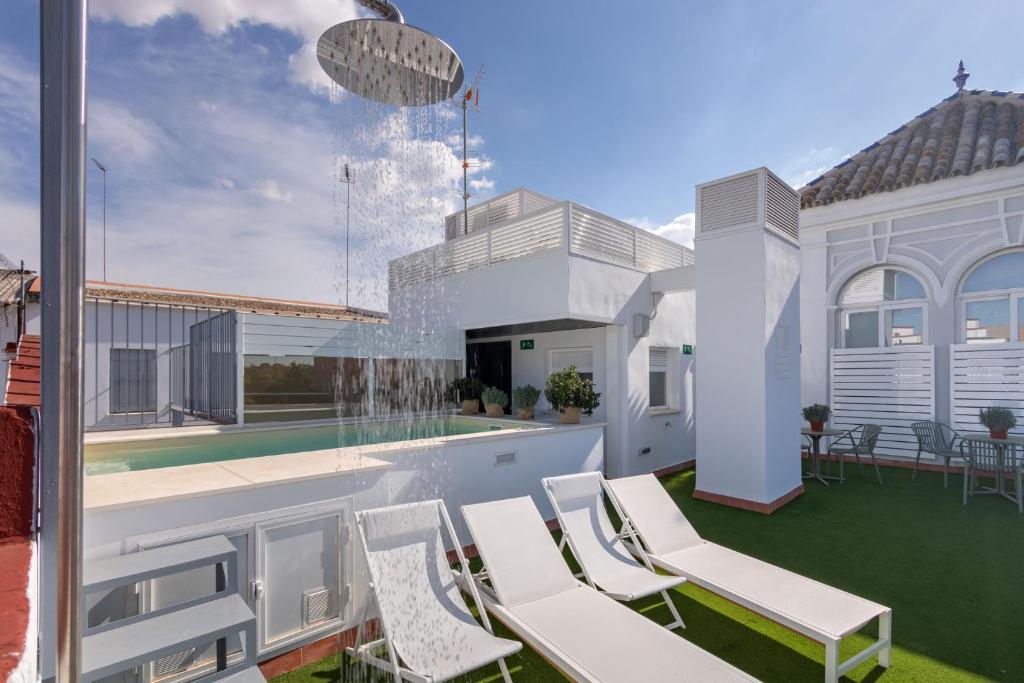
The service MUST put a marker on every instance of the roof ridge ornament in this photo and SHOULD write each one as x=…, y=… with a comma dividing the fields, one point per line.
x=961, y=77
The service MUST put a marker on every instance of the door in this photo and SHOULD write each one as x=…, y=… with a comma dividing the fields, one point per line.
x=491, y=363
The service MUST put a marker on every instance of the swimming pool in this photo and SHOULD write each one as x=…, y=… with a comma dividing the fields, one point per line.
x=145, y=454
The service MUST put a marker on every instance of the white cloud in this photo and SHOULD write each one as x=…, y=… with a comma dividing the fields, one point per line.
x=307, y=19
x=271, y=190
x=483, y=184
x=127, y=137
x=680, y=229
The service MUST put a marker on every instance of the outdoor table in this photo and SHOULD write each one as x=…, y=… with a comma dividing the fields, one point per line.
x=815, y=437
x=1010, y=443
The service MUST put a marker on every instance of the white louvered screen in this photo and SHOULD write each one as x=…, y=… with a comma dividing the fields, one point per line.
x=451, y=226
x=885, y=386
x=593, y=234
x=503, y=208
x=462, y=255
x=983, y=375
x=657, y=253
x=530, y=235
x=582, y=358
x=658, y=359
x=477, y=217
x=782, y=207
x=729, y=203
x=535, y=202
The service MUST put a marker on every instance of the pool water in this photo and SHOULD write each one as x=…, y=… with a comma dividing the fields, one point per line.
x=105, y=458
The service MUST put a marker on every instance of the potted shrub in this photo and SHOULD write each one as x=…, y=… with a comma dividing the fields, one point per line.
x=495, y=401
x=998, y=420
x=466, y=390
x=570, y=394
x=524, y=399
x=817, y=414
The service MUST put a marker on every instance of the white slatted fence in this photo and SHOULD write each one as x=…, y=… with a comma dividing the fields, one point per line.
x=890, y=387
x=983, y=375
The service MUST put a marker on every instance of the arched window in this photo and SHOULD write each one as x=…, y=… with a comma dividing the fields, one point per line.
x=992, y=301
x=882, y=307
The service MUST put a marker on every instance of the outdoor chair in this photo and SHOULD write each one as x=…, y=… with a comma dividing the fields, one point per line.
x=588, y=636
x=428, y=631
x=940, y=440
x=983, y=458
x=606, y=563
x=862, y=440
x=816, y=610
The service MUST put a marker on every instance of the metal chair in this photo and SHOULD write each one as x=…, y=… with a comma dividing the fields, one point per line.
x=982, y=458
x=938, y=439
x=863, y=444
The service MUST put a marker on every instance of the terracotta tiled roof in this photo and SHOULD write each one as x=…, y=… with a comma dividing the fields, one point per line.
x=10, y=285
x=23, y=373
x=970, y=131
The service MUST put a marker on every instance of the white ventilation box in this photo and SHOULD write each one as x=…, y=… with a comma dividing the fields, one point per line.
x=747, y=201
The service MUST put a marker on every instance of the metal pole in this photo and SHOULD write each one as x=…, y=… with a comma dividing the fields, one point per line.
x=465, y=168
x=103, y=169
x=349, y=179
x=63, y=26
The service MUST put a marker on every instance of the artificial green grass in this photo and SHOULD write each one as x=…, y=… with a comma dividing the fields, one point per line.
x=953, y=576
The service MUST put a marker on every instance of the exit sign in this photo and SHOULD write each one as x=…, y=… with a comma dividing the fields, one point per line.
x=525, y=344
x=687, y=349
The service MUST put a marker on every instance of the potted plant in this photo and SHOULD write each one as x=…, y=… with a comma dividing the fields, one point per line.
x=817, y=414
x=495, y=401
x=570, y=394
x=998, y=420
x=524, y=399
x=466, y=390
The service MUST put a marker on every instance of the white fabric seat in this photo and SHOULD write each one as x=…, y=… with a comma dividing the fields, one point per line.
x=606, y=563
x=589, y=636
x=810, y=607
x=428, y=628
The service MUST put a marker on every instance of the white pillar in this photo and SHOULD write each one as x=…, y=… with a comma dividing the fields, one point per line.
x=748, y=324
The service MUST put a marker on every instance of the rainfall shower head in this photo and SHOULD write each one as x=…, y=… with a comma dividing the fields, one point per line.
x=388, y=61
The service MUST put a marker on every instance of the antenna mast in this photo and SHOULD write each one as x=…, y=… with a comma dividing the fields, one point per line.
x=348, y=179
x=472, y=90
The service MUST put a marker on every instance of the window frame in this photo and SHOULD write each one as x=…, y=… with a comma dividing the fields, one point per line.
x=151, y=361
x=582, y=370
x=666, y=372
x=1013, y=296
x=881, y=307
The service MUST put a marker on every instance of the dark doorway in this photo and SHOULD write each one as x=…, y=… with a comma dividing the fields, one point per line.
x=491, y=363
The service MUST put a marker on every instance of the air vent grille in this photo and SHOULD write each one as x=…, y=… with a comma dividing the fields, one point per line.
x=782, y=207
x=729, y=203
x=316, y=603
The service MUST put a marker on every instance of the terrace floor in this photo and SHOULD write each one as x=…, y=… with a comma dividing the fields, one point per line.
x=953, y=575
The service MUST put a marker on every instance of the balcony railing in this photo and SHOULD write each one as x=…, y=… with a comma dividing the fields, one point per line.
x=578, y=229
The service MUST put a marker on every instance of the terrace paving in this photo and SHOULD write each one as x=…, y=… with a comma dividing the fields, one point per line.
x=952, y=574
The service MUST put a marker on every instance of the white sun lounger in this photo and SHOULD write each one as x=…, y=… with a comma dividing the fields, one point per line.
x=816, y=610
x=428, y=632
x=606, y=563
x=588, y=636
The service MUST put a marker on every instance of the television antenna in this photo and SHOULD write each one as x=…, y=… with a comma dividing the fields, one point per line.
x=348, y=177
x=472, y=92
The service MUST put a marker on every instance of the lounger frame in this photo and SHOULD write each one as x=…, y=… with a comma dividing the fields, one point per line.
x=834, y=666
x=626, y=531
x=364, y=650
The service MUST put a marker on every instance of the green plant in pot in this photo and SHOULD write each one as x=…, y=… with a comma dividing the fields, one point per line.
x=571, y=395
x=466, y=390
x=998, y=420
x=817, y=414
x=495, y=401
x=524, y=399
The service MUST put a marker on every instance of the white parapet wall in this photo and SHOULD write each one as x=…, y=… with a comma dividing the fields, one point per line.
x=291, y=515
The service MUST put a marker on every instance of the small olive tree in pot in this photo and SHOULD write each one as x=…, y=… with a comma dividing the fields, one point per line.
x=466, y=390
x=524, y=399
x=495, y=401
x=817, y=414
x=571, y=395
x=998, y=420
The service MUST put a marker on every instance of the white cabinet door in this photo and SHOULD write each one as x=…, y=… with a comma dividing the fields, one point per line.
x=300, y=576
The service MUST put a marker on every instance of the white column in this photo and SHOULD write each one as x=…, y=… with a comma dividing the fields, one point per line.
x=748, y=323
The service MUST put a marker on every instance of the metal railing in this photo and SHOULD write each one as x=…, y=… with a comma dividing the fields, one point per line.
x=152, y=363
x=585, y=232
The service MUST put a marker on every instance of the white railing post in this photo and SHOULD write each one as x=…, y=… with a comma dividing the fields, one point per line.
x=567, y=213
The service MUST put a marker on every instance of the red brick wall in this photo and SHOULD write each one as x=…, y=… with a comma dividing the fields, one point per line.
x=17, y=462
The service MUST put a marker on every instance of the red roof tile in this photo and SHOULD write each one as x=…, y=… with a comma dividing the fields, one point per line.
x=23, y=387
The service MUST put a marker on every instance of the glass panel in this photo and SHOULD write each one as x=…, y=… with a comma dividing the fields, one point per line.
x=882, y=284
x=412, y=385
x=279, y=388
x=860, y=329
x=658, y=394
x=1002, y=272
x=987, y=321
x=904, y=326
x=1020, y=319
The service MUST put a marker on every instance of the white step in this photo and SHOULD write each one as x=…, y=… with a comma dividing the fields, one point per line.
x=117, y=571
x=249, y=675
x=117, y=648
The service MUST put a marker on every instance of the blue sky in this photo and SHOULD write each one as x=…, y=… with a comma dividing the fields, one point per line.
x=223, y=141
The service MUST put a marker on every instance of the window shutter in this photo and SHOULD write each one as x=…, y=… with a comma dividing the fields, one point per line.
x=658, y=359
x=583, y=359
